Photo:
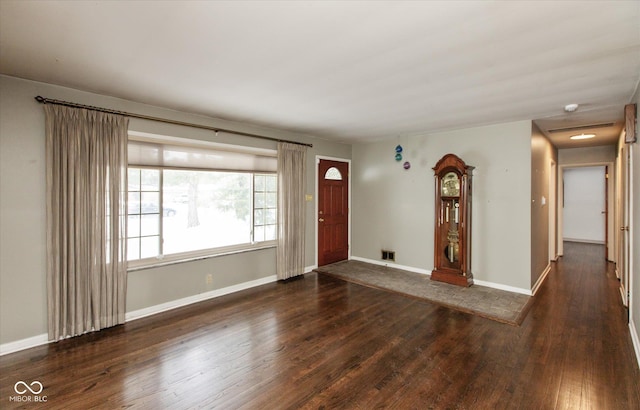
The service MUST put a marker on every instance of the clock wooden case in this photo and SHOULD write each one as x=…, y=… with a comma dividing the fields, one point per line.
x=452, y=245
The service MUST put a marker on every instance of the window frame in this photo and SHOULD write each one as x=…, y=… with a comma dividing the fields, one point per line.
x=265, y=208
x=179, y=257
x=140, y=191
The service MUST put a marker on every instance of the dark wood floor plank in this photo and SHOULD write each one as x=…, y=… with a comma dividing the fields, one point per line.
x=320, y=342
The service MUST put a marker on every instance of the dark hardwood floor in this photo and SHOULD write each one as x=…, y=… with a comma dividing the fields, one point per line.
x=323, y=343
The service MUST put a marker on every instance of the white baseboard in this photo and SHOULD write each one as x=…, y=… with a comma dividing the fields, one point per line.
x=308, y=269
x=392, y=265
x=502, y=287
x=635, y=338
x=163, y=307
x=541, y=279
x=23, y=344
x=34, y=341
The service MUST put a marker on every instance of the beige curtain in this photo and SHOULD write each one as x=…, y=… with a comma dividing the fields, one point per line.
x=292, y=164
x=86, y=160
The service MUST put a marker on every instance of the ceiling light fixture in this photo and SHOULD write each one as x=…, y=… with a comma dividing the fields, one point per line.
x=570, y=107
x=582, y=136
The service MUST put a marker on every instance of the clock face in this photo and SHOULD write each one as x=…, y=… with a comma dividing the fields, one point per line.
x=450, y=185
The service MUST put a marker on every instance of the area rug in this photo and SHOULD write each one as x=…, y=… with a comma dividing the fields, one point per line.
x=494, y=304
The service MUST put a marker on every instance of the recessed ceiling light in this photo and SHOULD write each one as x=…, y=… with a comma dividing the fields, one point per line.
x=570, y=107
x=583, y=136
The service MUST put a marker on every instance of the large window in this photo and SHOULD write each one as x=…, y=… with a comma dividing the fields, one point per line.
x=176, y=212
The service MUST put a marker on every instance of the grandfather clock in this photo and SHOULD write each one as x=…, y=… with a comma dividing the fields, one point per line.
x=452, y=252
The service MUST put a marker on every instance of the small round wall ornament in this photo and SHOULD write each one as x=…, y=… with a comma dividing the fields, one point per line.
x=398, y=148
x=406, y=165
x=398, y=157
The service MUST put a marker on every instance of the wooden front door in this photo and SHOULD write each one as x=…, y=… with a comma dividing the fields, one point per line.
x=333, y=211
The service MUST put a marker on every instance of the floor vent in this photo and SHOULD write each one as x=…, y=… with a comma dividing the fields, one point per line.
x=388, y=255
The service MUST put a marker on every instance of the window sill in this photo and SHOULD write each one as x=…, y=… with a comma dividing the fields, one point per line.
x=172, y=260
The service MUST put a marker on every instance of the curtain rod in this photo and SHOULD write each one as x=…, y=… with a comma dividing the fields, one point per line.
x=44, y=100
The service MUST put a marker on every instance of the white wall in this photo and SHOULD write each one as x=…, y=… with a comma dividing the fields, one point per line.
x=23, y=309
x=584, y=202
x=394, y=208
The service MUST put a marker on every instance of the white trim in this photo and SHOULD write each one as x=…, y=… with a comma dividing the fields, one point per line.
x=553, y=210
x=392, y=265
x=23, y=344
x=192, y=256
x=503, y=287
x=635, y=339
x=163, y=307
x=631, y=297
x=541, y=279
x=625, y=251
x=34, y=341
x=623, y=297
x=315, y=215
x=308, y=269
x=319, y=157
x=610, y=197
x=428, y=272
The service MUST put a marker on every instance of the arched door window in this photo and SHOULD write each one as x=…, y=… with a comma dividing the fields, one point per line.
x=333, y=173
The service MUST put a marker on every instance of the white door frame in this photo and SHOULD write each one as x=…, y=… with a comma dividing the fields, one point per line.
x=632, y=227
x=315, y=212
x=553, y=211
x=610, y=197
x=625, y=224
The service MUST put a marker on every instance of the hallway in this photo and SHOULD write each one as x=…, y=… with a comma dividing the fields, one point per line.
x=581, y=351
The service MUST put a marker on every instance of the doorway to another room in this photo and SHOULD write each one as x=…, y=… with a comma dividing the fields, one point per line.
x=585, y=205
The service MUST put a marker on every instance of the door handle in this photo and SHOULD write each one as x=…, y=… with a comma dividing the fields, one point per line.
x=321, y=220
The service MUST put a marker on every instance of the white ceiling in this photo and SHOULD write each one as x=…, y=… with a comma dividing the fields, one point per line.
x=346, y=71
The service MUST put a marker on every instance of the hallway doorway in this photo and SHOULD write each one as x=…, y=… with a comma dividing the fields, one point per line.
x=585, y=205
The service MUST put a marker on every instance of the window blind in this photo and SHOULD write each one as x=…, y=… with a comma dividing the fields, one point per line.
x=145, y=153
